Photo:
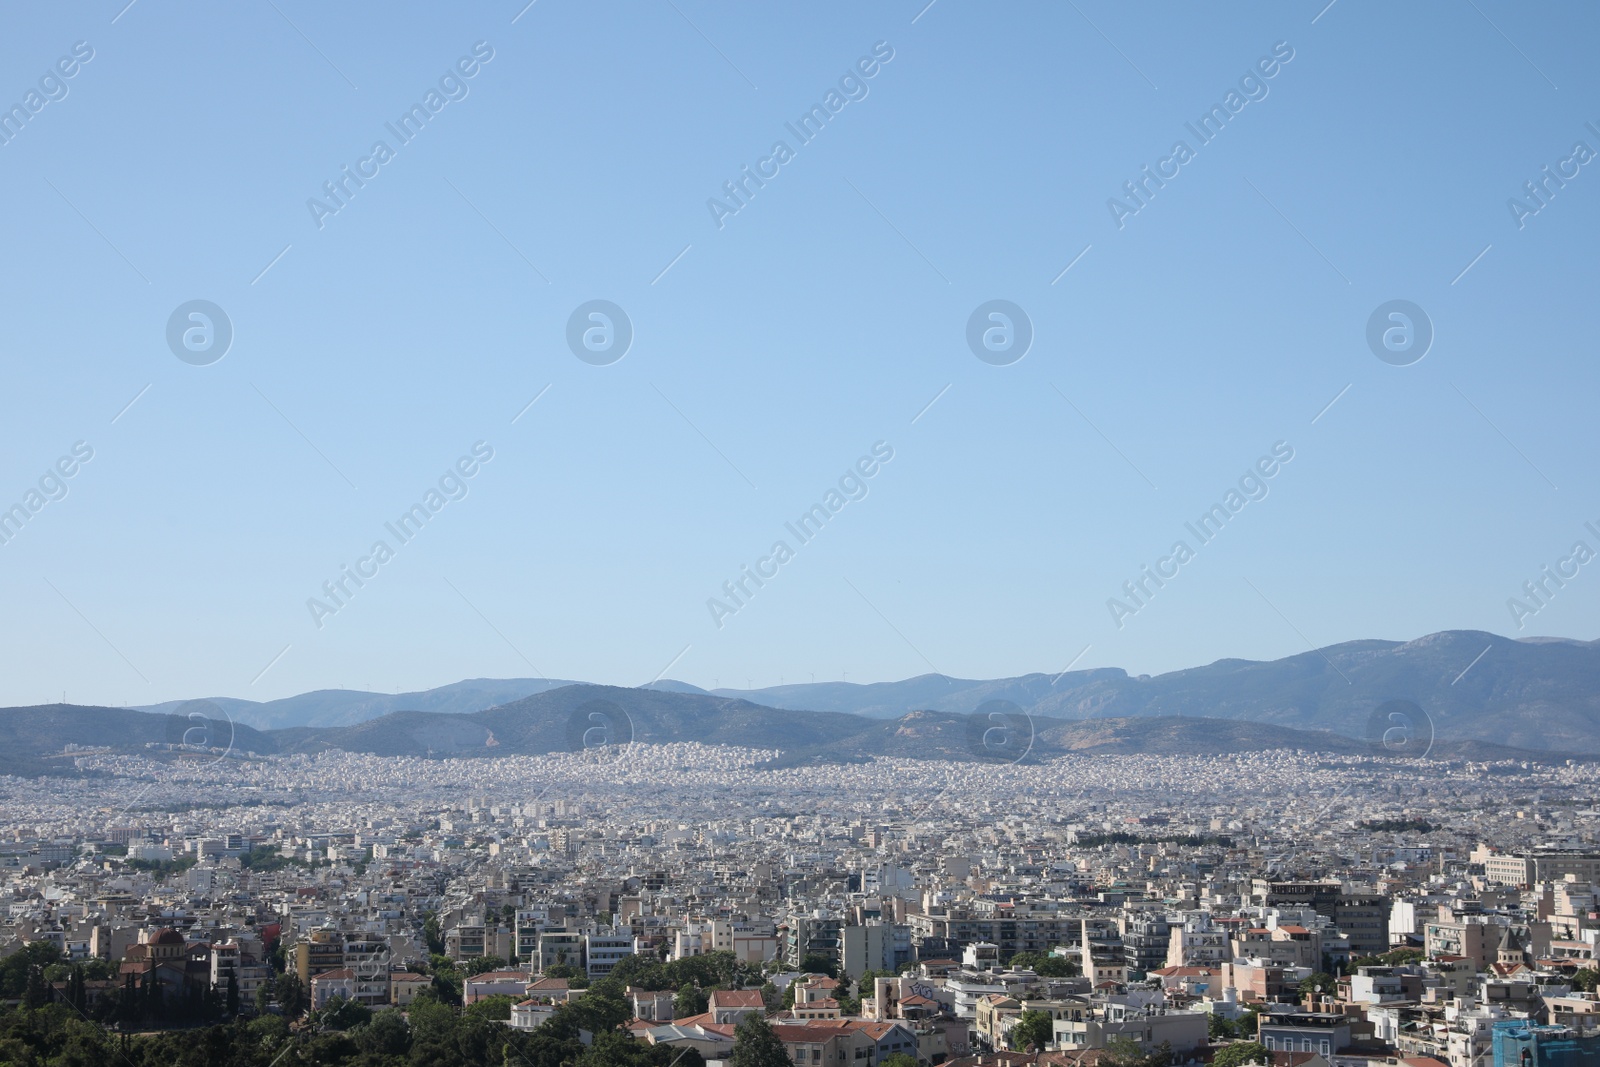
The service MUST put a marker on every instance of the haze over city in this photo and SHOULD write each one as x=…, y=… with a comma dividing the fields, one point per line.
x=683, y=534
x=1171, y=348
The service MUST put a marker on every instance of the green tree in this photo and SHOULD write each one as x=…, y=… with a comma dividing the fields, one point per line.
x=432, y=934
x=898, y=1059
x=1311, y=984
x=431, y=1022
x=37, y=993
x=342, y=1014
x=691, y=1000
x=387, y=1035
x=1240, y=1053
x=1586, y=979
x=232, y=1006
x=1123, y=1052
x=1033, y=1031
x=816, y=963
x=1045, y=965
x=290, y=993
x=128, y=1005
x=755, y=1045
x=496, y=1008
x=848, y=1004
x=77, y=991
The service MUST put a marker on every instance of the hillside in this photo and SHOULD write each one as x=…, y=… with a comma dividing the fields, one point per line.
x=1536, y=694
x=1487, y=697
x=35, y=740
x=341, y=707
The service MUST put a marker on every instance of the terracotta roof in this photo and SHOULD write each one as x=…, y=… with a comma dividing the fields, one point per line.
x=697, y=1022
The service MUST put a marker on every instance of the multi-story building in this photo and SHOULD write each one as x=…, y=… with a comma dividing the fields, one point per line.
x=811, y=934
x=1526, y=869
x=319, y=952
x=942, y=934
x=561, y=946
x=603, y=950
x=1286, y=946
x=1522, y=1043
x=1362, y=917
x=867, y=948
x=1145, y=939
x=1292, y=1030
x=1092, y=1023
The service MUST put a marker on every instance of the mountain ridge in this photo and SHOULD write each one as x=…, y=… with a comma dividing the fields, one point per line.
x=1531, y=693
x=45, y=739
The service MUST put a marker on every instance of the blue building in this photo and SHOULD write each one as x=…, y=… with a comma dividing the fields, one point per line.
x=1520, y=1043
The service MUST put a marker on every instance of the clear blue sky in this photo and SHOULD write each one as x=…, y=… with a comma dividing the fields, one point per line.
x=821, y=318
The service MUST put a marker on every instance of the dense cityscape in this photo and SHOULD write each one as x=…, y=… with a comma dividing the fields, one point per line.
x=705, y=534
x=646, y=904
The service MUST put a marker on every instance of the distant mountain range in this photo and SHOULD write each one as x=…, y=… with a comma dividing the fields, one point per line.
x=1459, y=695
x=342, y=707
x=43, y=740
x=1537, y=694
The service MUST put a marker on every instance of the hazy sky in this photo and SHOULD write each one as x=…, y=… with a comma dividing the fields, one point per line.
x=570, y=153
